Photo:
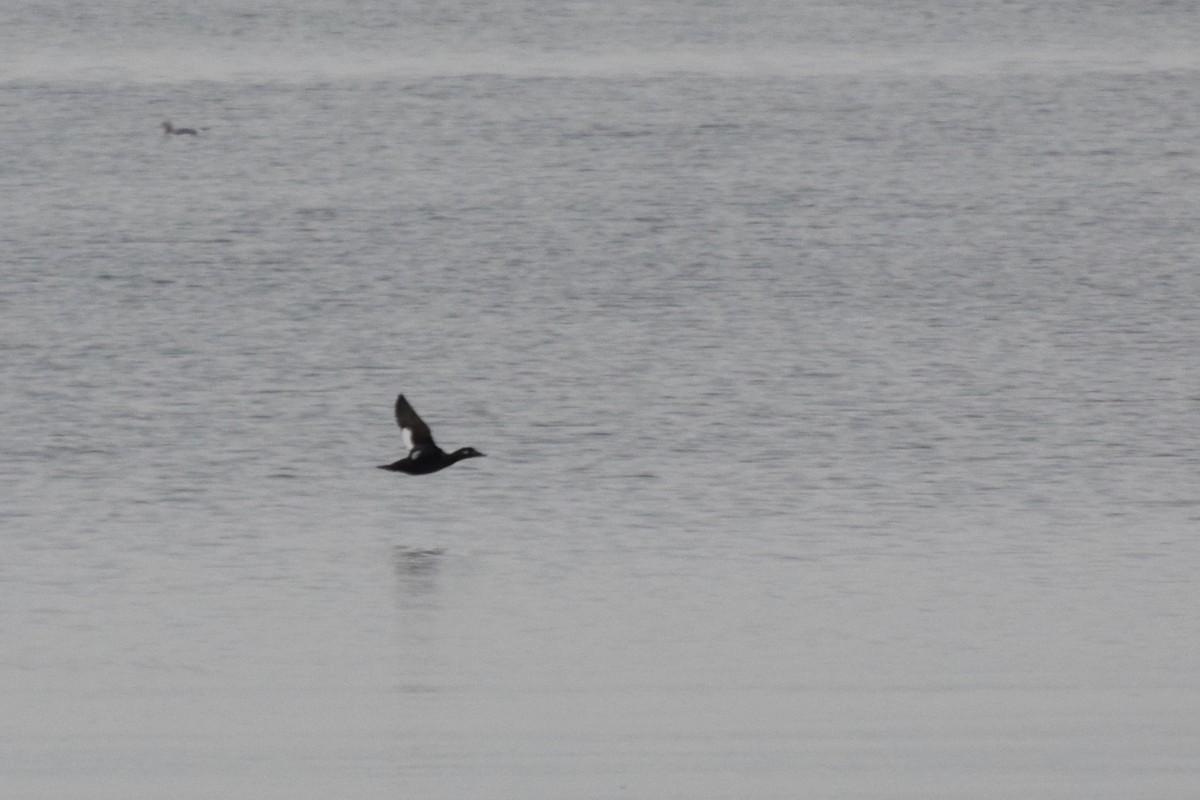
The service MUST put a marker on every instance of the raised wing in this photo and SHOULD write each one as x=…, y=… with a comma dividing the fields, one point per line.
x=412, y=428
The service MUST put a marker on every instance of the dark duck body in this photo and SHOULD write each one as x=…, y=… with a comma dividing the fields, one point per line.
x=169, y=130
x=423, y=456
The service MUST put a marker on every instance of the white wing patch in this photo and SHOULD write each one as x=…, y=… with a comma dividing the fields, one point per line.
x=406, y=435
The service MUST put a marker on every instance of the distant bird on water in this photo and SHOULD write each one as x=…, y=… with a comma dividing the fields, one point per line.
x=423, y=456
x=169, y=129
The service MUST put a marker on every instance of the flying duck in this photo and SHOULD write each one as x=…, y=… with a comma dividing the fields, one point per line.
x=169, y=129
x=423, y=456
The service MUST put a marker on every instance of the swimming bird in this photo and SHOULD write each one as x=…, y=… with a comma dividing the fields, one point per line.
x=423, y=456
x=169, y=129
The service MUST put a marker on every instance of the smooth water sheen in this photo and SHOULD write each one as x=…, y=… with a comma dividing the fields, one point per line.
x=835, y=363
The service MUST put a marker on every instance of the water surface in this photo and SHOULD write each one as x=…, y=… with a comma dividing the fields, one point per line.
x=834, y=366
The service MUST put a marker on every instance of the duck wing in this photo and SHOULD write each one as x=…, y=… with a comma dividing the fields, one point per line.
x=413, y=429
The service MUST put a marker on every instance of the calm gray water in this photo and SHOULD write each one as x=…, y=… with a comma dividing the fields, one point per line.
x=836, y=367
